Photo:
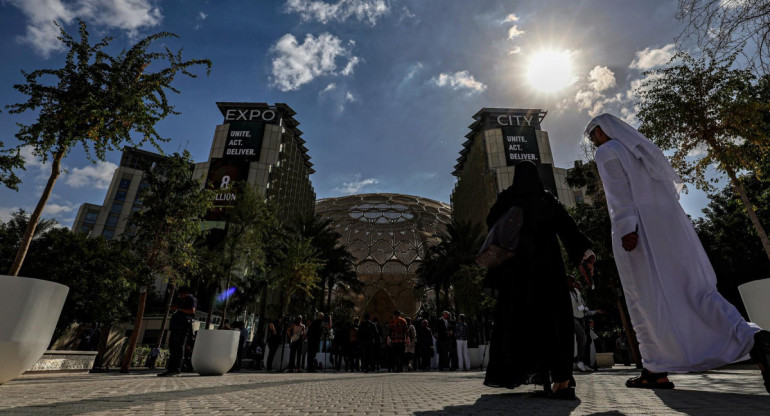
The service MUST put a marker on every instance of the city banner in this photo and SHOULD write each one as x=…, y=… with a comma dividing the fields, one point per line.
x=244, y=140
x=223, y=173
x=520, y=143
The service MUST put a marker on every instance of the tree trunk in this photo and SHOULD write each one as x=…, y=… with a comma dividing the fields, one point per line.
x=626, y=324
x=211, y=310
x=165, y=317
x=126, y=364
x=329, y=296
x=26, y=240
x=227, y=297
x=749, y=209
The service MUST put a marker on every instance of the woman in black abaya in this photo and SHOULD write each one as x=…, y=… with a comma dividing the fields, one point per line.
x=533, y=337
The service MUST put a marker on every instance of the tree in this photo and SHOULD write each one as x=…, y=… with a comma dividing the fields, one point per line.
x=458, y=246
x=297, y=271
x=705, y=106
x=96, y=101
x=337, y=271
x=727, y=27
x=246, y=223
x=163, y=234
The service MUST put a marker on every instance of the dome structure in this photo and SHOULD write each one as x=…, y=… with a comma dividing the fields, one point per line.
x=387, y=234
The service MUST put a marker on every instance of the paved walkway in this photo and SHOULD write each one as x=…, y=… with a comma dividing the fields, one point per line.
x=735, y=390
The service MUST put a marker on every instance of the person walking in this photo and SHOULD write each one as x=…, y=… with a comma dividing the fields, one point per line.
x=443, y=333
x=579, y=312
x=314, y=332
x=425, y=345
x=398, y=334
x=180, y=329
x=681, y=321
x=533, y=284
x=368, y=338
x=461, y=334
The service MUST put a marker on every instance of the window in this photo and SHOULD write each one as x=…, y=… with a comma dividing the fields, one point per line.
x=91, y=216
x=85, y=228
x=112, y=220
x=120, y=196
x=124, y=183
x=108, y=234
x=116, y=208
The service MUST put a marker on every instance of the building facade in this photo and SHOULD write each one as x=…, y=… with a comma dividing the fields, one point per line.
x=111, y=218
x=388, y=235
x=499, y=138
x=261, y=144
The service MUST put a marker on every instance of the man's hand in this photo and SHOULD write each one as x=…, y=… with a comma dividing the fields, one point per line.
x=629, y=241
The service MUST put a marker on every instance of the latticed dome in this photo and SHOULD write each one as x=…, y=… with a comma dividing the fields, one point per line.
x=387, y=234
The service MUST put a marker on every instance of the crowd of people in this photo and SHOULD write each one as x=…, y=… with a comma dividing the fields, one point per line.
x=400, y=344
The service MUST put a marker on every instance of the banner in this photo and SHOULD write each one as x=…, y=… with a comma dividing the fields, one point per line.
x=222, y=174
x=520, y=143
x=244, y=140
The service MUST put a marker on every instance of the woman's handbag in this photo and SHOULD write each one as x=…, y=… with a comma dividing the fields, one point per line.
x=502, y=240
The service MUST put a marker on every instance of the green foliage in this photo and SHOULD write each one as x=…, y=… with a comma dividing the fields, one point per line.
x=97, y=100
x=458, y=246
x=297, y=271
x=92, y=268
x=10, y=160
x=163, y=233
x=704, y=106
x=470, y=298
x=141, y=353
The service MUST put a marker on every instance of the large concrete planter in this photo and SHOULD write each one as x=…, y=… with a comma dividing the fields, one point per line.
x=215, y=351
x=756, y=299
x=29, y=310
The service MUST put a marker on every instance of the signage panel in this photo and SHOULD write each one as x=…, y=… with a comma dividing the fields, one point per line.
x=520, y=143
x=244, y=140
x=223, y=173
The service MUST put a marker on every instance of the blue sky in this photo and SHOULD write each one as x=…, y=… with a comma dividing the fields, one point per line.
x=384, y=90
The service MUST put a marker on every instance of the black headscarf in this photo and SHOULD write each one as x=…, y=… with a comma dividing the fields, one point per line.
x=526, y=189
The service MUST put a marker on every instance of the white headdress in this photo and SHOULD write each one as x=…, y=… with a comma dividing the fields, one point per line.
x=641, y=147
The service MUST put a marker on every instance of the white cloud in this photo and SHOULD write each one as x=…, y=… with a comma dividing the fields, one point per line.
x=128, y=15
x=6, y=213
x=97, y=176
x=651, y=58
x=361, y=10
x=297, y=64
x=202, y=16
x=328, y=88
x=56, y=209
x=601, y=78
x=459, y=80
x=349, y=97
x=515, y=50
x=511, y=18
x=514, y=31
x=356, y=185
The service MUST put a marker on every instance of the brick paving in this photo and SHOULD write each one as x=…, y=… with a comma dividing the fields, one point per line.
x=733, y=390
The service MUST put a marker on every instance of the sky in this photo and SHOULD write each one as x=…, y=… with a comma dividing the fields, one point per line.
x=384, y=90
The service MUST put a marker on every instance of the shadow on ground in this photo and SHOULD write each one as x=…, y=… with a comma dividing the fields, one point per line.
x=694, y=402
x=508, y=403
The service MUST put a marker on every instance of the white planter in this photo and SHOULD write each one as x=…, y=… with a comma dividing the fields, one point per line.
x=215, y=351
x=755, y=297
x=605, y=359
x=475, y=357
x=482, y=356
x=29, y=309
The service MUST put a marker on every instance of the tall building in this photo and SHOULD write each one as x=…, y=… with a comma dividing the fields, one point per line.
x=261, y=144
x=110, y=219
x=499, y=138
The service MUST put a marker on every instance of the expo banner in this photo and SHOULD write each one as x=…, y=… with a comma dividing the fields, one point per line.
x=223, y=173
x=244, y=140
x=520, y=143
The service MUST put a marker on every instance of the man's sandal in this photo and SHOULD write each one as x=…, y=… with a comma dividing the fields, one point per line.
x=648, y=380
x=760, y=353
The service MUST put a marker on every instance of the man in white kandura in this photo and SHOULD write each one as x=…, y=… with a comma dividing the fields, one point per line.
x=681, y=321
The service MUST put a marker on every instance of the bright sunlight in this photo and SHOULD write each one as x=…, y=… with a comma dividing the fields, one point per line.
x=550, y=71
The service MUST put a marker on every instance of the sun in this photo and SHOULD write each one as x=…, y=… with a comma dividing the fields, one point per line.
x=550, y=71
